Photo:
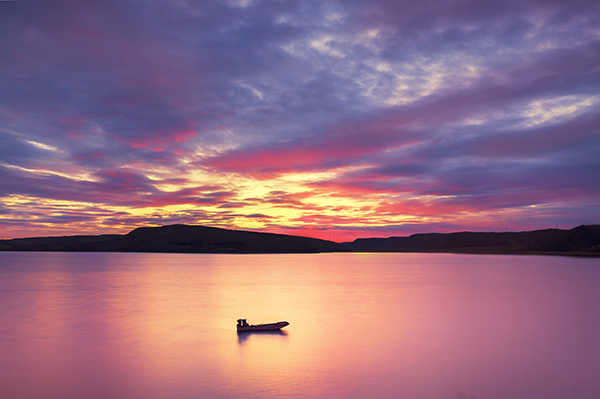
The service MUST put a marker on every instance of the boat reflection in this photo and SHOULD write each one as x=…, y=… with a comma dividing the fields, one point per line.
x=243, y=336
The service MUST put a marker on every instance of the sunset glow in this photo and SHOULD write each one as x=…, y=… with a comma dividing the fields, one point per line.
x=335, y=120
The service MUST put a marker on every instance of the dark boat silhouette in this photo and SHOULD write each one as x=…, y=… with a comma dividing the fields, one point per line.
x=242, y=325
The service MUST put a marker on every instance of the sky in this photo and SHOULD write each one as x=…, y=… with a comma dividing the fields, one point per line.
x=329, y=119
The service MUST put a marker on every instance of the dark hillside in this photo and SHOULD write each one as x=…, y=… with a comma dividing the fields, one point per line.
x=177, y=238
x=582, y=240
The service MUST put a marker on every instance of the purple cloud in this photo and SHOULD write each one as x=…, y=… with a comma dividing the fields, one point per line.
x=462, y=105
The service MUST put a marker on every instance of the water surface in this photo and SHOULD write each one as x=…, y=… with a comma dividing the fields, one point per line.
x=110, y=325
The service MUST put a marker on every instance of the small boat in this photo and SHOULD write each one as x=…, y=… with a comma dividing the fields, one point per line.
x=242, y=325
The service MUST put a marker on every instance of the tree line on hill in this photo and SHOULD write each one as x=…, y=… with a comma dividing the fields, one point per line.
x=581, y=240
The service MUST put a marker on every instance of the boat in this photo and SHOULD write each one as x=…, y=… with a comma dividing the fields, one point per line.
x=242, y=325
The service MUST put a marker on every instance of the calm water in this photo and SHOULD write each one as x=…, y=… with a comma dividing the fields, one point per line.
x=90, y=325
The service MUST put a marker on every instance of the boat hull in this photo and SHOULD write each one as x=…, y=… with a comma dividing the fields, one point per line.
x=264, y=327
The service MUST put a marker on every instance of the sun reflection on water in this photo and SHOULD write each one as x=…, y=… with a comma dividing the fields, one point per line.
x=158, y=325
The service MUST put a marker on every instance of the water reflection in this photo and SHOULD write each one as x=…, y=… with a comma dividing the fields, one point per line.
x=243, y=336
x=381, y=325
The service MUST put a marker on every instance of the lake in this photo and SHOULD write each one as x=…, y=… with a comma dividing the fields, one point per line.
x=429, y=326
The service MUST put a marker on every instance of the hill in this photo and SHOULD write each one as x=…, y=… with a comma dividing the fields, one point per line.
x=177, y=238
x=582, y=240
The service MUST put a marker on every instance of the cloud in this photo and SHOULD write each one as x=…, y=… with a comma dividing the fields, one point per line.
x=110, y=187
x=404, y=113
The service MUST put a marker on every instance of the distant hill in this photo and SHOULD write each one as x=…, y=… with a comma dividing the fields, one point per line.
x=582, y=240
x=177, y=238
